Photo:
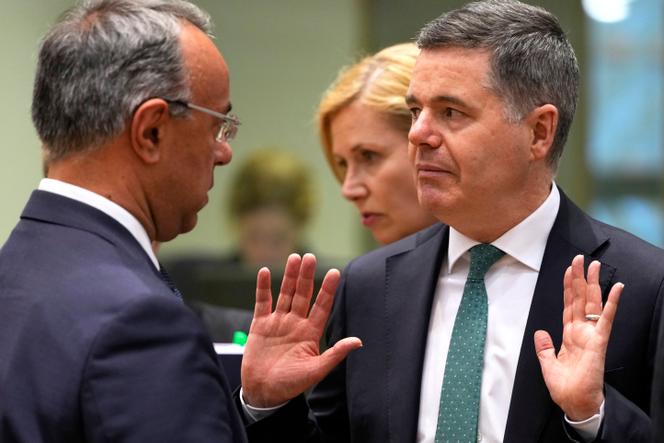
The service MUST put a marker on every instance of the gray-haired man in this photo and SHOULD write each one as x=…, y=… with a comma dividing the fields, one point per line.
x=131, y=102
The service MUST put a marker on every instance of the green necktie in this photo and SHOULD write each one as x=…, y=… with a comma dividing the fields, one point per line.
x=460, y=396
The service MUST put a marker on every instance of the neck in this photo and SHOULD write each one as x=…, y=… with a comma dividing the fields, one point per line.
x=102, y=172
x=490, y=223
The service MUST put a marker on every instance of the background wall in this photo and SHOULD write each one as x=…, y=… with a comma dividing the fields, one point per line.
x=282, y=55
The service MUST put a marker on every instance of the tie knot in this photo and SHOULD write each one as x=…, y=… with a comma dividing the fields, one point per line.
x=482, y=257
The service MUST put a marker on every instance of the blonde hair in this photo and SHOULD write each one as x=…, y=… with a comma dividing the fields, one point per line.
x=379, y=81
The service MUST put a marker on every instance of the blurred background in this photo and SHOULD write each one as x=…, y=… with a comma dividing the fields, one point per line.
x=283, y=55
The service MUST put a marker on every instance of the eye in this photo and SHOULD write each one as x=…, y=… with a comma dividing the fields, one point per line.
x=414, y=113
x=340, y=163
x=368, y=156
x=452, y=113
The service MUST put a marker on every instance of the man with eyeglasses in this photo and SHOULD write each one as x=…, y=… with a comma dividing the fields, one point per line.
x=131, y=102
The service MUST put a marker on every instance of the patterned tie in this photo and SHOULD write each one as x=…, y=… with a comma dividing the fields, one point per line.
x=460, y=396
x=169, y=281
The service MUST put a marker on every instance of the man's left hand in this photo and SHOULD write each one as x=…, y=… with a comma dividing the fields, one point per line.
x=575, y=377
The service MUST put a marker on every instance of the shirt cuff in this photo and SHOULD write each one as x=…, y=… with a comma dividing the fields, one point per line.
x=588, y=428
x=253, y=414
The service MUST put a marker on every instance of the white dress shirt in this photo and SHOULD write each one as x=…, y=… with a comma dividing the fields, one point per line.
x=113, y=210
x=510, y=285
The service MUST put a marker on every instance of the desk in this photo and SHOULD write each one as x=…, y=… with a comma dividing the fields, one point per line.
x=230, y=356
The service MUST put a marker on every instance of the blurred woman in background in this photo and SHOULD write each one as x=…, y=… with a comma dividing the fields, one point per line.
x=272, y=199
x=363, y=124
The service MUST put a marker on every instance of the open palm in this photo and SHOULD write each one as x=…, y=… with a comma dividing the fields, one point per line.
x=575, y=377
x=282, y=357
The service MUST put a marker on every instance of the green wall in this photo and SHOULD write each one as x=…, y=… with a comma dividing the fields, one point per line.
x=282, y=55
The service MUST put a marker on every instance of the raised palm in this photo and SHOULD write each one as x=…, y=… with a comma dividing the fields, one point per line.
x=282, y=357
x=575, y=377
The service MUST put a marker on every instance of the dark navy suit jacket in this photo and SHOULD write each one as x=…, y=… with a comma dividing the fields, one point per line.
x=385, y=298
x=94, y=346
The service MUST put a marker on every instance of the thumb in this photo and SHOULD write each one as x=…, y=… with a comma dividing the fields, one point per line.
x=546, y=353
x=334, y=355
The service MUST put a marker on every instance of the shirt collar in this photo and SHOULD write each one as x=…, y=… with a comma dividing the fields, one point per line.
x=525, y=242
x=113, y=210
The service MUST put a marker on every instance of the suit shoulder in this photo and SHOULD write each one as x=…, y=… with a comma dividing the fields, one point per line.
x=629, y=245
x=377, y=257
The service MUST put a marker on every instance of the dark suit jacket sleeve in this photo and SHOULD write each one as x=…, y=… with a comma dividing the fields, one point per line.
x=625, y=420
x=152, y=376
x=657, y=400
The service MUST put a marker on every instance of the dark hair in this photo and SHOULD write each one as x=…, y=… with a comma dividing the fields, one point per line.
x=273, y=178
x=100, y=61
x=532, y=61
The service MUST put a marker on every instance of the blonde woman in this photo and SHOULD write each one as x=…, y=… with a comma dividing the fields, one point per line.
x=363, y=124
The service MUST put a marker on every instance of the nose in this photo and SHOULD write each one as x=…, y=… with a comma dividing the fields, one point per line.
x=423, y=132
x=223, y=154
x=354, y=186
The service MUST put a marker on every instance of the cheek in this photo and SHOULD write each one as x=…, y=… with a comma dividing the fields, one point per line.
x=411, y=155
x=400, y=187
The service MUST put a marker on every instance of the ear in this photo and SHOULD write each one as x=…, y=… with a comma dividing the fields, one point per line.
x=543, y=122
x=148, y=127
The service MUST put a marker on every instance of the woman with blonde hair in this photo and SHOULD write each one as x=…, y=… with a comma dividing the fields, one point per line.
x=363, y=124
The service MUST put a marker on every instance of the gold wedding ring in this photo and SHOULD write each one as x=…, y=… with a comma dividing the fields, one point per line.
x=592, y=317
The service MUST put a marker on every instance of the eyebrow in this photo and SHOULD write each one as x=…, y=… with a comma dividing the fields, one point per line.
x=410, y=99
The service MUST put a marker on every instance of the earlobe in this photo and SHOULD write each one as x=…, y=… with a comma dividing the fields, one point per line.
x=543, y=122
x=148, y=126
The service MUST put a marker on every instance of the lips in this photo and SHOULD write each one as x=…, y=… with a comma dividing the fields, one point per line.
x=430, y=170
x=370, y=218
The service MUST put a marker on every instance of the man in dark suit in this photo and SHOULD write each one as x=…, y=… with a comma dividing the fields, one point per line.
x=131, y=102
x=657, y=402
x=492, y=98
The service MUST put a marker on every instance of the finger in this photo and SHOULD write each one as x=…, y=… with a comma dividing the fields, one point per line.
x=568, y=296
x=324, y=300
x=605, y=322
x=263, y=305
x=579, y=287
x=334, y=355
x=288, y=283
x=305, y=286
x=546, y=353
x=594, y=292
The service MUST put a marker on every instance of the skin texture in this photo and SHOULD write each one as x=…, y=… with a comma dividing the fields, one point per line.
x=471, y=164
x=191, y=153
x=282, y=357
x=372, y=156
x=160, y=168
x=575, y=377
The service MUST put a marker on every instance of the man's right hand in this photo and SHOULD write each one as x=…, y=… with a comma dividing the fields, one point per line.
x=282, y=357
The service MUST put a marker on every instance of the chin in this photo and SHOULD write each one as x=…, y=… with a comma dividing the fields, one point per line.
x=188, y=224
x=435, y=202
x=385, y=238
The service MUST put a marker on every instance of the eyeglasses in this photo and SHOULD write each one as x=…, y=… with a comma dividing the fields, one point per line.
x=229, y=122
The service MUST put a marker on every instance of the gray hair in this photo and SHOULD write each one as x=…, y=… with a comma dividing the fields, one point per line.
x=532, y=62
x=100, y=61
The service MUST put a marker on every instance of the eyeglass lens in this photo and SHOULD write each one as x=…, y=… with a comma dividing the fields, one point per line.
x=227, y=131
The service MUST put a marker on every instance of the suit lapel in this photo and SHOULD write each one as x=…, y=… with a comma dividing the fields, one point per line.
x=410, y=283
x=572, y=233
